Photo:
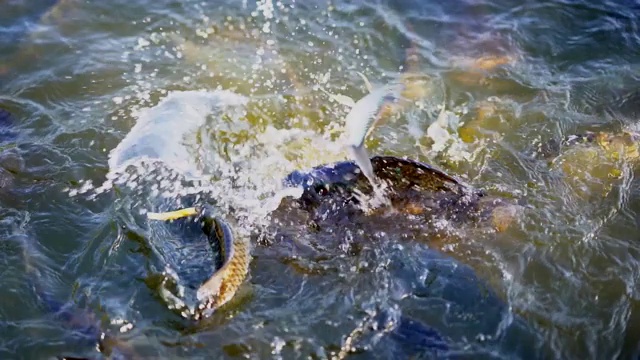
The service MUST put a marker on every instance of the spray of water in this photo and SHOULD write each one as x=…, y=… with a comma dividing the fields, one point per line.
x=177, y=139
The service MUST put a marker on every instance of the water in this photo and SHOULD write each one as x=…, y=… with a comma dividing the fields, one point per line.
x=78, y=75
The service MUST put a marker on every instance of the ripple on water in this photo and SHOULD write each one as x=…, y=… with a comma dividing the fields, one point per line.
x=570, y=268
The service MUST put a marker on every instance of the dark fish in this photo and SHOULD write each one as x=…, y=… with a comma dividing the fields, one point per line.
x=416, y=337
x=623, y=142
x=410, y=337
x=402, y=173
x=83, y=321
x=470, y=305
x=413, y=188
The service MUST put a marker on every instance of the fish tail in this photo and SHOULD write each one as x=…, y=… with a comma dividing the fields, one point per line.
x=359, y=153
x=225, y=282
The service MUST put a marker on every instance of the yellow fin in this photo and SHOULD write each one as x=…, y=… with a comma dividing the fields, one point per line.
x=172, y=215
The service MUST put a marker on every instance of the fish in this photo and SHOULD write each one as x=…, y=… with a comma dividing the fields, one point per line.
x=365, y=114
x=405, y=174
x=235, y=256
x=413, y=338
x=83, y=321
x=363, y=117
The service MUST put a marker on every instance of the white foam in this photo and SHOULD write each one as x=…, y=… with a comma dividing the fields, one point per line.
x=205, y=138
x=164, y=132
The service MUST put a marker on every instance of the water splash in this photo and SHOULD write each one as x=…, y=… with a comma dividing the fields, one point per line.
x=181, y=147
x=167, y=131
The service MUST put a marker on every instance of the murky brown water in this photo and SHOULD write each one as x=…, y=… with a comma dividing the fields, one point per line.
x=512, y=76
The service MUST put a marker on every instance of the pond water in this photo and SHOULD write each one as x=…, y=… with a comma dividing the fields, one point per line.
x=233, y=96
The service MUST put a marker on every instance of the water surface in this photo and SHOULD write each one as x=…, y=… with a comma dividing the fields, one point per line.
x=78, y=75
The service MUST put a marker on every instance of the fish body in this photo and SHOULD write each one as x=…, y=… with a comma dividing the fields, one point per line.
x=235, y=257
x=415, y=188
x=365, y=113
x=401, y=172
x=84, y=322
x=362, y=119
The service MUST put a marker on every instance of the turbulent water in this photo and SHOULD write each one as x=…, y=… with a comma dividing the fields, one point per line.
x=116, y=108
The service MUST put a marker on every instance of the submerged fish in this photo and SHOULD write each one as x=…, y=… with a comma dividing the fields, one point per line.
x=83, y=321
x=417, y=189
x=623, y=145
x=410, y=336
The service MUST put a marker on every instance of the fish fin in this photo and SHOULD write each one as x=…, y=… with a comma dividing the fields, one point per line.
x=367, y=84
x=173, y=215
x=341, y=99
